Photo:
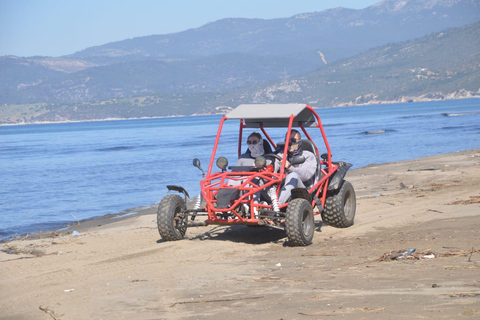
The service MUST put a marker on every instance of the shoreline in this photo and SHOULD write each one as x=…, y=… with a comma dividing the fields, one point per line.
x=131, y=213
x=341, y=105
x=81, y=225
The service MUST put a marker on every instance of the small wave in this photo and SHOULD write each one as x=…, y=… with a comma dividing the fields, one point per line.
x=446, y=114
x=416, y=116
x=452, y=128
x=120, y=148
x=463, y=128
x=381, y=131
x=334, y=125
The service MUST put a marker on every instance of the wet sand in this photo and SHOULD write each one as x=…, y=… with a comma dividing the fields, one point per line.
x=121, y=269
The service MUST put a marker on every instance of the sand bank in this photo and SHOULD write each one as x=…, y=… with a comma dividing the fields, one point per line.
x=123, y=270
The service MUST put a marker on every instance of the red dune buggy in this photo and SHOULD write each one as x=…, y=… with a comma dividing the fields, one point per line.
x=243, y=195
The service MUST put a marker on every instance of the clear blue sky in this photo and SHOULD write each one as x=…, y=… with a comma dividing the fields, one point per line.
x=60, y=27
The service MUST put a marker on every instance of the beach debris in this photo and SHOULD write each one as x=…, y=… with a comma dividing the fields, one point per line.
x=267, y=279
x=216, y=300
x=78, y=221
x=461, y=294
x=68, y=290
x=424, y=168
x=11, y=249
x=399, y=254
x=412, y=254
x=49, y=312
x=408, y=252
x=472, y=200
x=75, y=233
x=278, y=264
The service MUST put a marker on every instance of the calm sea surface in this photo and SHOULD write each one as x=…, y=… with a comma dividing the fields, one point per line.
x=53, y=174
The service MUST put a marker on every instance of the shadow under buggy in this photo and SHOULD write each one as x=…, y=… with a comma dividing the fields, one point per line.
x=249, y=195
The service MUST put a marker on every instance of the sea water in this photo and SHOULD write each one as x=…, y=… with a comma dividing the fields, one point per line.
x=55, y=174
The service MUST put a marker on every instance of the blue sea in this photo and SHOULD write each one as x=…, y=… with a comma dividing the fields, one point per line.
x=55, y=174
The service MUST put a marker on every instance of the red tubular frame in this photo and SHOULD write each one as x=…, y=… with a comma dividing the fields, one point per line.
x=214, y=182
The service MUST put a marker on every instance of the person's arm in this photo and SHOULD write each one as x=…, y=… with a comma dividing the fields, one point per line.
x=278, y=163
x=307, y=169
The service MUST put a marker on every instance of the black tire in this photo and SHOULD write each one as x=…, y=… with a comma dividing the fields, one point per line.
x=340, y=207
x=171, y=222
x=299, y=223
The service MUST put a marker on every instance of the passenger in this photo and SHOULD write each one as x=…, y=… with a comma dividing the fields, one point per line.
x=255, y=148
x=298, y=175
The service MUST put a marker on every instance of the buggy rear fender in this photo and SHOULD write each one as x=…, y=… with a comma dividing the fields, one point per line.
x=338, y=175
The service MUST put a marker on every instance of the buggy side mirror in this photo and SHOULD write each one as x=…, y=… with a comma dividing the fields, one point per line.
x=324, y=156
x=196, y=163
x=298, y=159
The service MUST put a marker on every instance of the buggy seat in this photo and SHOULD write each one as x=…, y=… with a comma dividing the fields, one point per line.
x=308, y=145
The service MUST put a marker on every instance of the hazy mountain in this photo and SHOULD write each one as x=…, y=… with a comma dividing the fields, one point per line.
x=209, y=74
x=231, y=61
x=438, y=66
x=336, y=32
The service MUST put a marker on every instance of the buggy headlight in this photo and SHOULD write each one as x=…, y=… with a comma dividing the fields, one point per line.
x=222, y=163
x=260, y=162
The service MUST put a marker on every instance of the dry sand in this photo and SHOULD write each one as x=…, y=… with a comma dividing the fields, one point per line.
x=123, y=270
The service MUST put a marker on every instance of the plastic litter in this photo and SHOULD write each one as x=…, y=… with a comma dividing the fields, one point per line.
x=75, y=233
x=410, y=251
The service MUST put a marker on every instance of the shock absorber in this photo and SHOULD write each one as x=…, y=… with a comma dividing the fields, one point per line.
x=198, y=203
x=197, y=206
x=272, y=193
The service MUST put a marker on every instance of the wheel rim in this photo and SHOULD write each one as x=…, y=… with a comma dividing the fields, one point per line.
x=180, y=219
x=306, y=225
x=348, y=204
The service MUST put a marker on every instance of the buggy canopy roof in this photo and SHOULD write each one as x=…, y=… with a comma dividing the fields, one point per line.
x=273, y=115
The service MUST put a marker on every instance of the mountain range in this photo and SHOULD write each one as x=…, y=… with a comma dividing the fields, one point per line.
x=391, y=51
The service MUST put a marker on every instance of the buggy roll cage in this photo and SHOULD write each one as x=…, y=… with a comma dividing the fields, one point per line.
x=263, y=116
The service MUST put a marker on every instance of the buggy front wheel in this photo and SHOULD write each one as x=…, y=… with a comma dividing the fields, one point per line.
x=171, y=221
x=299, y=223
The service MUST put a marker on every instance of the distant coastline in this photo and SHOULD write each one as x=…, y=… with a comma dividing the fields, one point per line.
x=340, y=105
x=106, y=119
x=422, y=98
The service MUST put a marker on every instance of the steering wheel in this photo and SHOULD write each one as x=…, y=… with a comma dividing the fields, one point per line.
x=273, y=155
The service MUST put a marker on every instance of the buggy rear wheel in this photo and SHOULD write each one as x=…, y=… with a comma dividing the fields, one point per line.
x=340, y=207
x=171, y=222
x=299, y=223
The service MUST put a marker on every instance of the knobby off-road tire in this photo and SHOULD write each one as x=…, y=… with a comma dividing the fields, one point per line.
x=170, y=221
x=299, y=223
x=340, y=207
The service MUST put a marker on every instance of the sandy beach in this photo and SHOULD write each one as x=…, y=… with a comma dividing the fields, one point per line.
x=121, y=269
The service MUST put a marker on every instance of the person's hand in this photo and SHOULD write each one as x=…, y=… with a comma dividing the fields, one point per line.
x=287, y=165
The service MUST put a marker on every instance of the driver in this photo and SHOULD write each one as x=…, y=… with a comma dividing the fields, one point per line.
x=299, y=175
